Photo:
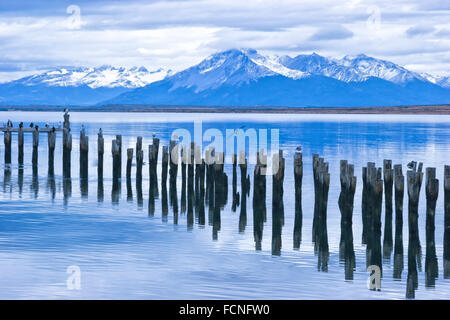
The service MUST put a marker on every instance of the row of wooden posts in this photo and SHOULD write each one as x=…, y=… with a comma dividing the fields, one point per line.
x=195, y=170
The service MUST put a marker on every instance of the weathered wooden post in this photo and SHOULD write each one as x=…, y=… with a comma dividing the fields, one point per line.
x=153, y=150
x=67, y=145
x=174, y=155
x=139, y=164
x=183, y=178
x=201, y=201
x=399, y=183
x=119, y=155
x=320, y=233
x=277, y=201
x=67, y=149
x=210, y=160
x=235, y=194
x=139, y=160
x=298, y=176
x=414, y=182
x=100, y=152
x=165, y=165
x=35, y=145
x=258, y=200
x=432, y=191
x=7, y=140
x=374, y=207
x=115, y=150
x=346, y=201
x=20, y=141
x=128, y=174
x=447, y=222
x=84, y=151
x=388, y=174
x=51, y=151
x=220, y=192
x=190, y=186
x=129, y=162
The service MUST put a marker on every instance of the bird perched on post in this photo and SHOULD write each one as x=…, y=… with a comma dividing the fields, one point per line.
x=299, y=148
x=411, y=165
x=21, y=125
x=31, y=125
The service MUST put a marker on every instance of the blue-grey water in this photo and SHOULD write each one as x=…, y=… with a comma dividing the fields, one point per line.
x=123, y=253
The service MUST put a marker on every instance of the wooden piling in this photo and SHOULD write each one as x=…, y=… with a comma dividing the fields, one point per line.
x=346, y=201
x=35, y=148
x=432, y=192
x=139, y=158
x=399, y=184
x=298, y=176
x=67, y=149
x=51, y=136
x=165, y=165
x=20, y=142
x=447, y=222
x=374, y=209
x=277, y=201
x=190, y=185
x=119, y=155
x=84, y=152
x=7, y=141
x=414, y=182
x=259, y=200
x=116, y=159
x=100, y=152
x=129, y=162
x=128, y=174
x=388, y=174
x=183, y=178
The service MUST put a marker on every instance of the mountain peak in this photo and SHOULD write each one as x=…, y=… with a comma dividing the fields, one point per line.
x=104, y=76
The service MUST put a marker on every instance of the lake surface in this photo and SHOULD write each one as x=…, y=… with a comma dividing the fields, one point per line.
x=122, y=252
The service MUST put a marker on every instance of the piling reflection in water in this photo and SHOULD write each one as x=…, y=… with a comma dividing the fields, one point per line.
x=214, y=192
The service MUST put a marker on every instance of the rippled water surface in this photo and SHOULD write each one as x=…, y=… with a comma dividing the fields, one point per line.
x=47, y=225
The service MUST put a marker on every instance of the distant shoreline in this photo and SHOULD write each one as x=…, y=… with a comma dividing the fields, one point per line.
x=434, y=109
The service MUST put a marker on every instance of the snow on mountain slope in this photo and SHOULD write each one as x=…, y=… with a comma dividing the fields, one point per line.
x=351, y=68
x=104, y=76
x=439, y=80
x=232, y=67
x=370, y=67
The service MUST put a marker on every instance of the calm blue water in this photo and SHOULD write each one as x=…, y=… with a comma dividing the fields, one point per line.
x=123, y=253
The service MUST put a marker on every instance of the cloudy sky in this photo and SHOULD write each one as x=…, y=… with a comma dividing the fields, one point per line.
x=41, y=34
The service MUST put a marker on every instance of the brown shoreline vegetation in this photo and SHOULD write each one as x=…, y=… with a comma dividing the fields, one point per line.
x=427, y=109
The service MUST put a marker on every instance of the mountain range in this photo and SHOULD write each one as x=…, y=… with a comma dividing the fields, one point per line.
x=236, y=78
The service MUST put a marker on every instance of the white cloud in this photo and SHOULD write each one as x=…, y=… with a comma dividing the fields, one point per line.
x=177, y=34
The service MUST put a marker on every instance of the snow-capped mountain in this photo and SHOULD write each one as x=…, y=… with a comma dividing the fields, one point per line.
x=104, y=76
x=246, y=78
x=232, y=67
x=238, y=77
x=350, y=68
